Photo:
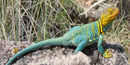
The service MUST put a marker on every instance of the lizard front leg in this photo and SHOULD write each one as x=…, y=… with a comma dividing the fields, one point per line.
x=106, y=54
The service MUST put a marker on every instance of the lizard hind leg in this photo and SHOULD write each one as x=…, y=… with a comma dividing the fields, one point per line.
x=81, y=46
x=80, y=41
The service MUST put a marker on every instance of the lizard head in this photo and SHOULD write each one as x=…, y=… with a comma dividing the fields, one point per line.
x=108, y=15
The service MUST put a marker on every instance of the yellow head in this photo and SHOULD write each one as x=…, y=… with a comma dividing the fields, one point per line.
x=109, y=15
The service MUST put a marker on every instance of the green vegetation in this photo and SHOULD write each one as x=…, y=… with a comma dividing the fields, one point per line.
x=35, y=20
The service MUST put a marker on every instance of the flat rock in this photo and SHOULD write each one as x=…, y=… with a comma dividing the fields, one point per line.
x=63, y=55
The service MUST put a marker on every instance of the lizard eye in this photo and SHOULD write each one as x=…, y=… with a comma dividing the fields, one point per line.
x=110, y=11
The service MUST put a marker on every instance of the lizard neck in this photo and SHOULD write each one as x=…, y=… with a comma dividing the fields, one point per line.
x=103, y=28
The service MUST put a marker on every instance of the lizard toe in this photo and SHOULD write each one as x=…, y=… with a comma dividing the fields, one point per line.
x=107, y=54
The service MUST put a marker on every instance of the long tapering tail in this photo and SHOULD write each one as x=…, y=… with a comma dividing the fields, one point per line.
x=55, y=41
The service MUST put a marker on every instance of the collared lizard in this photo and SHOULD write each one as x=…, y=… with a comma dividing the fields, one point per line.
x=79, y=36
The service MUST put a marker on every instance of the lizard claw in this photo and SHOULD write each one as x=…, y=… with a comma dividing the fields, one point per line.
x=107, y=54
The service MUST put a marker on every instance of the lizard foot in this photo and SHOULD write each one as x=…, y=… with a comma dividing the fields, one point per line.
x=107, y=54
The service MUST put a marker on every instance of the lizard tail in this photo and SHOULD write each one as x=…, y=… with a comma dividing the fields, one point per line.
x=55, y=41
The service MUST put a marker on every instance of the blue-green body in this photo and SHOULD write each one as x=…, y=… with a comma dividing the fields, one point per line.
x=79, y=36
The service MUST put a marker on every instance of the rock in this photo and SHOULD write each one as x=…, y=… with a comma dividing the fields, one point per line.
x=64, y=55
